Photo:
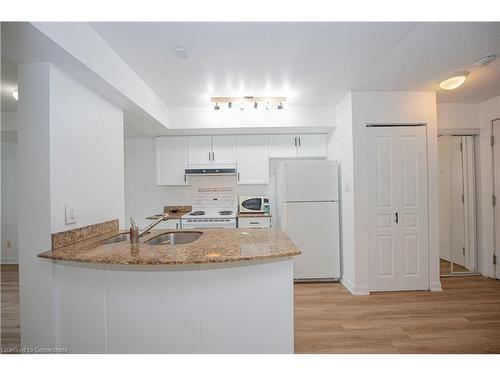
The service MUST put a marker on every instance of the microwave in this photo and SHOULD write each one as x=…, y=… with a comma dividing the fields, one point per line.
x=253, y=204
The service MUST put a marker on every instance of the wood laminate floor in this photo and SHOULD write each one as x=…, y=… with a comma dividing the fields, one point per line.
x=445, y=267
x=465, y=318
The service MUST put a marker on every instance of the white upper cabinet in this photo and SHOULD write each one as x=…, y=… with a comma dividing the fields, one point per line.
x=171, y=160
x=199, y=150
x=283, y=146
x=224, y=150
x=253, y=159
x=311, y=145
x=297, y=146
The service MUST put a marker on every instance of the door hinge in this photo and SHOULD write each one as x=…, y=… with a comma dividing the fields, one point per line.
x=493, y=200
x=463, y=199
x=463, y=250
x=492, y=141
x=461, y=147
x=494, y=259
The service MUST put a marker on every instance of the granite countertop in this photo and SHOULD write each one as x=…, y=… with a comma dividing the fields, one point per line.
x=213, y=246
x=175, y=212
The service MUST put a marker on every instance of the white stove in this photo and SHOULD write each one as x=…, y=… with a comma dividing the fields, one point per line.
x=212, y=208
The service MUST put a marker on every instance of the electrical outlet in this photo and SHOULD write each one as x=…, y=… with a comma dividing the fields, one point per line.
x=70, y=215
x=8, y=243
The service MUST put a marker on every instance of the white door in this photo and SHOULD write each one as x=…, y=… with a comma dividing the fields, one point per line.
x=224, y=150
x=314, y=228
x=283, y=146
x=199, y=151
x=457, y=204
x=171, y=161
x=253, y=159
x=311, y=145
x=496, y=166
x=398, y=208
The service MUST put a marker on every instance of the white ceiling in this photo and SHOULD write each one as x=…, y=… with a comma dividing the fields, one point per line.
x=311, y=63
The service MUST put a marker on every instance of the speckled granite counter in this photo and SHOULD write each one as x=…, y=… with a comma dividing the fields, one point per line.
x=214, y=246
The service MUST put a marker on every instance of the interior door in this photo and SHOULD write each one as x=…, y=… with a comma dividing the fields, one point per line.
x=398, y=208
x=224, y=149
x=496, y=191
x=457, y=204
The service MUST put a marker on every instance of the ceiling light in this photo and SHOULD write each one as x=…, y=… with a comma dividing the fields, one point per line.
x=454, y=81
x=247, y=101
x=182, y=53
x=485, y=60
x=15, y=94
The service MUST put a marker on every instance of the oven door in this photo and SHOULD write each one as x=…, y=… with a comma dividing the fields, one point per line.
x=252, y=204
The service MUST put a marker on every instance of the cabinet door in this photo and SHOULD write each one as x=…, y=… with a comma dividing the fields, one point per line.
x=283, y=146
x=199, y=150
x=171, y=161
x=312, y=145
x=253, y=159
x=224, y=149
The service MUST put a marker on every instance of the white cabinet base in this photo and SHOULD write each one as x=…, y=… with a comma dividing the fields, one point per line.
x=219, y=308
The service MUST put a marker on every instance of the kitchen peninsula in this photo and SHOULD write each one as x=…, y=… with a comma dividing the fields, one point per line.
x=228, y=291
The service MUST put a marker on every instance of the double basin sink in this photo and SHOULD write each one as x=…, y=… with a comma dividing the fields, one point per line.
x=166, y=238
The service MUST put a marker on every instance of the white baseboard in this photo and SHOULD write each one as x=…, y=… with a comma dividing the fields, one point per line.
x=353, y=289
x=435, y=286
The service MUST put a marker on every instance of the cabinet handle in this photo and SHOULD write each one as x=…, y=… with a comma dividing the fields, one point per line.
x=184, y=178
x=295, y=141
x=299, y=141
x=254, y=222
x=396, y=218
x=238, y=176
x=213, y=156
x=209, y=155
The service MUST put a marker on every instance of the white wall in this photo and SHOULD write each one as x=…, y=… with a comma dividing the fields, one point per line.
x=87, y=158
x=144, y=198
x=291, y=116
x=70, y=149
x=340, y=148
x=458, y=116
x=9, y=188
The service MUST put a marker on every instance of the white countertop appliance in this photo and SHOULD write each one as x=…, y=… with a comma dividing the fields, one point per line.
x=308, y=212
x=212, y=208
x=253, y=204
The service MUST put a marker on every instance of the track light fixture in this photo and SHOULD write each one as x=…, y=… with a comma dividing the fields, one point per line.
x=246, y=101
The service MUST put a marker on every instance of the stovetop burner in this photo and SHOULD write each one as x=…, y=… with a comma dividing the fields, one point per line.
x=225, y=212
x=197, y=213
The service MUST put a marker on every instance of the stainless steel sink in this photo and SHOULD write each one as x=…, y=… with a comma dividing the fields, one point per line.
x=174, y=238
x=118, y=238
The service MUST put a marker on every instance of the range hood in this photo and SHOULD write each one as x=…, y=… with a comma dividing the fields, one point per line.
x=211, y=171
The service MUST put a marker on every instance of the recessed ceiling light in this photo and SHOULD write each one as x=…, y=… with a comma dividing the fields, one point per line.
x=15, y=94
x=182, y=53
x=485, y=60
x=454, y=81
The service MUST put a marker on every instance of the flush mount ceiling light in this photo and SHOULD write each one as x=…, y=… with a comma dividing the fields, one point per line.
x=250, y=101
x=182, y=53
x=485, y=60
x=456, y=80
x=15, y=94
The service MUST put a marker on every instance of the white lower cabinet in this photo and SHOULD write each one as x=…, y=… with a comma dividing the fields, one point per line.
x=254, y=222
x=253, y=159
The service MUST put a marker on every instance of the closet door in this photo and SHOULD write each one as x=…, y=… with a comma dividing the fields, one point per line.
x=398, y=208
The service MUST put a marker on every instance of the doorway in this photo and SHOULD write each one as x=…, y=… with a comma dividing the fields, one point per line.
x=495, y=131
x=457, y=205
x=398, y=208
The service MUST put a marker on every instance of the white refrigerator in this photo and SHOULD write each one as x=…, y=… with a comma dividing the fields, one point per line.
x=308, y=212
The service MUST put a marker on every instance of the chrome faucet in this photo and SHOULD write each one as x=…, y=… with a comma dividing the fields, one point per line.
x=135, y=234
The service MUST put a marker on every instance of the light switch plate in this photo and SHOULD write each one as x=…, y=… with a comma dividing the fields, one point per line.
x=70, y=216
